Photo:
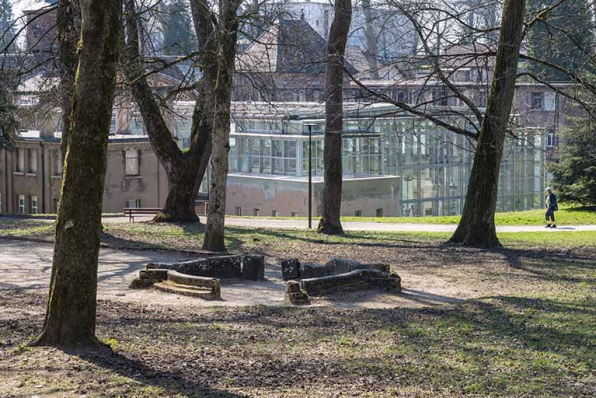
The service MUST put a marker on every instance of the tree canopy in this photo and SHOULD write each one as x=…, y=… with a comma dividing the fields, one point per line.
x=563, y=36
x=574, y=176
x=178, y=34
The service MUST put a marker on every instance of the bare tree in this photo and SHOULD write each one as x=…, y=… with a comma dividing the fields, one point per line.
x=227, y=33
x=69, y=31
x=185, y=168
x=338, y=36
x=477, y=225
x=71, y=313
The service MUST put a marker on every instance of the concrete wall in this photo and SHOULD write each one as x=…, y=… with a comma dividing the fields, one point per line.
x=287, y=196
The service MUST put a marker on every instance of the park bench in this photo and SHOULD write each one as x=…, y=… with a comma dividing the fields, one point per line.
x=139, y=211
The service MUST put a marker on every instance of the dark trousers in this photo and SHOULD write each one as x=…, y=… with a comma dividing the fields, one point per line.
x=550, y=215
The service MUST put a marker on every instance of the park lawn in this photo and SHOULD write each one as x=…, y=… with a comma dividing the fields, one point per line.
x=567, y=215
x=529, y=333
x=279, y=242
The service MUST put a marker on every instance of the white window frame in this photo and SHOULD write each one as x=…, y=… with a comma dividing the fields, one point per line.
x=34, y=204
x=132, y=204
x=132, y=163
x=21, y=204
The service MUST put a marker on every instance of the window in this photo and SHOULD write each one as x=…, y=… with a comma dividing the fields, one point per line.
x=132, y=162
x=132, y=204
x=550, y=139
x=238, y=210
x=537, y=101
x=20, y=165
x=358, y=213
x=21, y=204
x=256, y=212
x=275, y=213
x=32, y=164
x=33, y=201
x=549, y=101
x=57, y=163
x=379, y=212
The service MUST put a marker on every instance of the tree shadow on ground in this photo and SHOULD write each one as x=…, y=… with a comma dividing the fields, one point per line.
x=172, y=382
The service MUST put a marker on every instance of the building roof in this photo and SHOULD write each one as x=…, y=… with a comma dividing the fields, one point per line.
x=287, y=46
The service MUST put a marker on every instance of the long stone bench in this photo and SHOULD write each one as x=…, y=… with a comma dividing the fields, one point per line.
x=294, y=269
x=353, y=280
x=250, y=267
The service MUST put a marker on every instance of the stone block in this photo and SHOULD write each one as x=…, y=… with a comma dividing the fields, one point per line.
x=290, y=269
x=355, y=280
x=312, y=271
x=253, y=267
x=295, y=295
x=337, y=266
x=139, y=283
x=154, y=275
x=222, y=267
x=197, y=281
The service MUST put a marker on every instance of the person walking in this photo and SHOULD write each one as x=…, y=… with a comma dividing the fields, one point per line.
x=551, y=207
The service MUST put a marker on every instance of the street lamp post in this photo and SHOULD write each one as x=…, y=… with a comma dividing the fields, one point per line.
x=310, y=125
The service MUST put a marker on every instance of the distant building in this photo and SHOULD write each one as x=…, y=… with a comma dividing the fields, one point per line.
x=394, y=164
x=31, y=175
x=41, y=32
x=394, y=34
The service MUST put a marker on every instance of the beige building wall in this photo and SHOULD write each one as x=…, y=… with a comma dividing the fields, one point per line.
x=147, y=189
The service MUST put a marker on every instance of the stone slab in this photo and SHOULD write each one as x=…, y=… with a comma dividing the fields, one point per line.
x=351, y=281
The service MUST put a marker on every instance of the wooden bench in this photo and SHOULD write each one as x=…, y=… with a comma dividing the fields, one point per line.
x=139, y=211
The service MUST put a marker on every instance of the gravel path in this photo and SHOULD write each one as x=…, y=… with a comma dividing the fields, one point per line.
x=368, y=226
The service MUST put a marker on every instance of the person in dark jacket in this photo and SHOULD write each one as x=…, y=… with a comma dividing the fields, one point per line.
x=551, y=207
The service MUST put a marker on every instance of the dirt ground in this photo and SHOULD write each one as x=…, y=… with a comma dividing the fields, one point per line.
x=26, y=266
x=503, y=323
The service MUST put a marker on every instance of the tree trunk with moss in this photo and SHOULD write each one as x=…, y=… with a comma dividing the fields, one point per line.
x=185, y=168
x=227, y=37
x=71, y=311
x=477, y=225
x=338, y=36
x=69, y=31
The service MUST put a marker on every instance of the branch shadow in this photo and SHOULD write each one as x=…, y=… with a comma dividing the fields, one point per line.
x=173, y=382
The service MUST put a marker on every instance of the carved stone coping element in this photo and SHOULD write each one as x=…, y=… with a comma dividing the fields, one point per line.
x=351, y=281
x=198, y=281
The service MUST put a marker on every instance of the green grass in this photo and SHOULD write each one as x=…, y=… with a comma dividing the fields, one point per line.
x=532, y=336
x=565, y=216
x=189, y=237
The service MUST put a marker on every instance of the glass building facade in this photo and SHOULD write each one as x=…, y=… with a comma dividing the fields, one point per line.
x=432, y=163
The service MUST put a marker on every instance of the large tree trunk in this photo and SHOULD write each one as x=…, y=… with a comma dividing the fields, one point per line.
x=185, y=169
x=228, y=32
x=69, y=32
x=338, y=36
x=477, y=225
x=70, y=317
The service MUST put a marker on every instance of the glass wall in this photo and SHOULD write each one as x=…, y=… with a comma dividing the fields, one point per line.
x=433, y=164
